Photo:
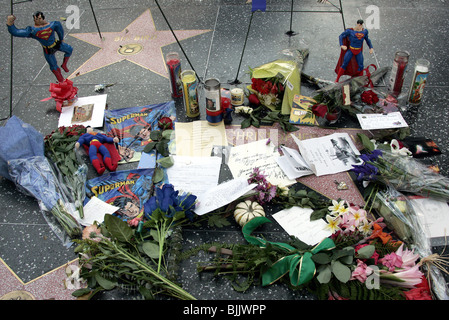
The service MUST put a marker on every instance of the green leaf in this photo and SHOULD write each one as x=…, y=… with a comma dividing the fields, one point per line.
x=365, y=252
x=105, y=283
x=158, y=175
x=318, y=214
x=341, y=272
x=324, y=274
x=150, y=146
x=166, y=162
x=146, y=293
x=156, y=135
x=118, y=228
x=246, y=123
x=162, y=148
x=321, y=258
x=168, y=134
x=81, y=292
x=151, y=249
x=366, y=142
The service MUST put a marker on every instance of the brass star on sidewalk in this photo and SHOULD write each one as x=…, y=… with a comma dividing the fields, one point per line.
x=139, y=43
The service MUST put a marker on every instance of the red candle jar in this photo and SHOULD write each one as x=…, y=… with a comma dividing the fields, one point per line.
x=398, y=73
x=174, y=71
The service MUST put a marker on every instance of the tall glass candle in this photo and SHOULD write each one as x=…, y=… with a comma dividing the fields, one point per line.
x=398, y=73
x=214, y=114
x=190, y=92
x=419, y=81
x=174, y=72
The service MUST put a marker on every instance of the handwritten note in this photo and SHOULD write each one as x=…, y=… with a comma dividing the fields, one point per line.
x=194, y=174
x=95, y=210
x=197, y=138
x=296, y=222
x=259, y=154
x=222, y=195
x=372, y=121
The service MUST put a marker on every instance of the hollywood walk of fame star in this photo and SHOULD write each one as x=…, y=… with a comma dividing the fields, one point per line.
x=139, y=43
x=49, y=286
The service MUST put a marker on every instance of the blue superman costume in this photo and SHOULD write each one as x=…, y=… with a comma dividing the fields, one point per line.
x=351, y=60
x=45, y=32
x=101, y=150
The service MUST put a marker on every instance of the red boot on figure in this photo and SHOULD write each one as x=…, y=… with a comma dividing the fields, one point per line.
x=58, y=75
x=64, y=64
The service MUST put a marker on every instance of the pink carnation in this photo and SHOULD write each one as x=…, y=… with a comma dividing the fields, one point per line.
x=391, y=261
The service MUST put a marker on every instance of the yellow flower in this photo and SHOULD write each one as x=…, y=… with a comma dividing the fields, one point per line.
x=332, y=223
x=338, y=207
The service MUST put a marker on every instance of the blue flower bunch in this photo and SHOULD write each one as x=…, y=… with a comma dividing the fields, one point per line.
x=171, y=203
x=367, y=171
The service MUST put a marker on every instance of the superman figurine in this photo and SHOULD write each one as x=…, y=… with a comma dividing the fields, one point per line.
x=99, y=146
x=44, y=32
x=351, y=56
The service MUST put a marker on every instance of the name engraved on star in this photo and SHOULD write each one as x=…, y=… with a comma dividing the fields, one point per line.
x=135, y=38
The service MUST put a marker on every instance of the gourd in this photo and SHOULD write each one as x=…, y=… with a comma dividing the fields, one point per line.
x=247, y=210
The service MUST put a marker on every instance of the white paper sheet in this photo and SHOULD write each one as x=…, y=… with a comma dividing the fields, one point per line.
x=296, y=222
x=433, y=215
x=95, y=210
x=330, y=154
x=372, y=121
x=222, y=195
x=244, y=158
x=194, y=174
x=293, y=164
x=95, y=119
x=197, y=138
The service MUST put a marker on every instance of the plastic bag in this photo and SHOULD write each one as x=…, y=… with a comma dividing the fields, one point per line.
x=277, y=82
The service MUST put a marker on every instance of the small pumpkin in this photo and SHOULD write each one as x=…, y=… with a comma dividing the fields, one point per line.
x=247, y=210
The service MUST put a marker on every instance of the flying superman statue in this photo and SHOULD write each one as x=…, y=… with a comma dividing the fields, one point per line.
x=44, y=32
x=351, y=57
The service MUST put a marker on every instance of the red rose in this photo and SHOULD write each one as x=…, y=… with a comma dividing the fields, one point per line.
x=253, y=99
x=319, y=110
x=165, y=123
x=369, y=97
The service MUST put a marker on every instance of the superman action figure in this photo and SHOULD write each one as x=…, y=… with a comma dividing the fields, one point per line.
x=96, y=144
x=351, y=57
x=44, y=32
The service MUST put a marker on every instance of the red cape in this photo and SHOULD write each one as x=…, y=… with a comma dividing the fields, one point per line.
x=351, y=69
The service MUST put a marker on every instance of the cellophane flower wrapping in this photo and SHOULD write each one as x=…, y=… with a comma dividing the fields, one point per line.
x=277, y=82
x=406, y=174
x=34, y=176
x=400, y=215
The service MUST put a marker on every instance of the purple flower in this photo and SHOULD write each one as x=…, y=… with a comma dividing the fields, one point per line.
x=365, y=171
x=371, y=156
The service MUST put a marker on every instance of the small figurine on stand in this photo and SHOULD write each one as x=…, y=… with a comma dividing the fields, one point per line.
x=351, y=56
x=101, y=150
x=44, y=32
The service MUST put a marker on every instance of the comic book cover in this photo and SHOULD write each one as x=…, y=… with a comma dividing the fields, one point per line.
x=133, y=126
x=128, y=190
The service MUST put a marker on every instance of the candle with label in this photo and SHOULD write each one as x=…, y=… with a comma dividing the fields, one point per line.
x=214, y=114
x=419, y=81
x=174, y=71
x=190, y=92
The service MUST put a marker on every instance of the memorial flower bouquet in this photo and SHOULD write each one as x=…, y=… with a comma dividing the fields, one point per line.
x=360, y=260
x=70, y=169
x=115, y=255
x=404, y=173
